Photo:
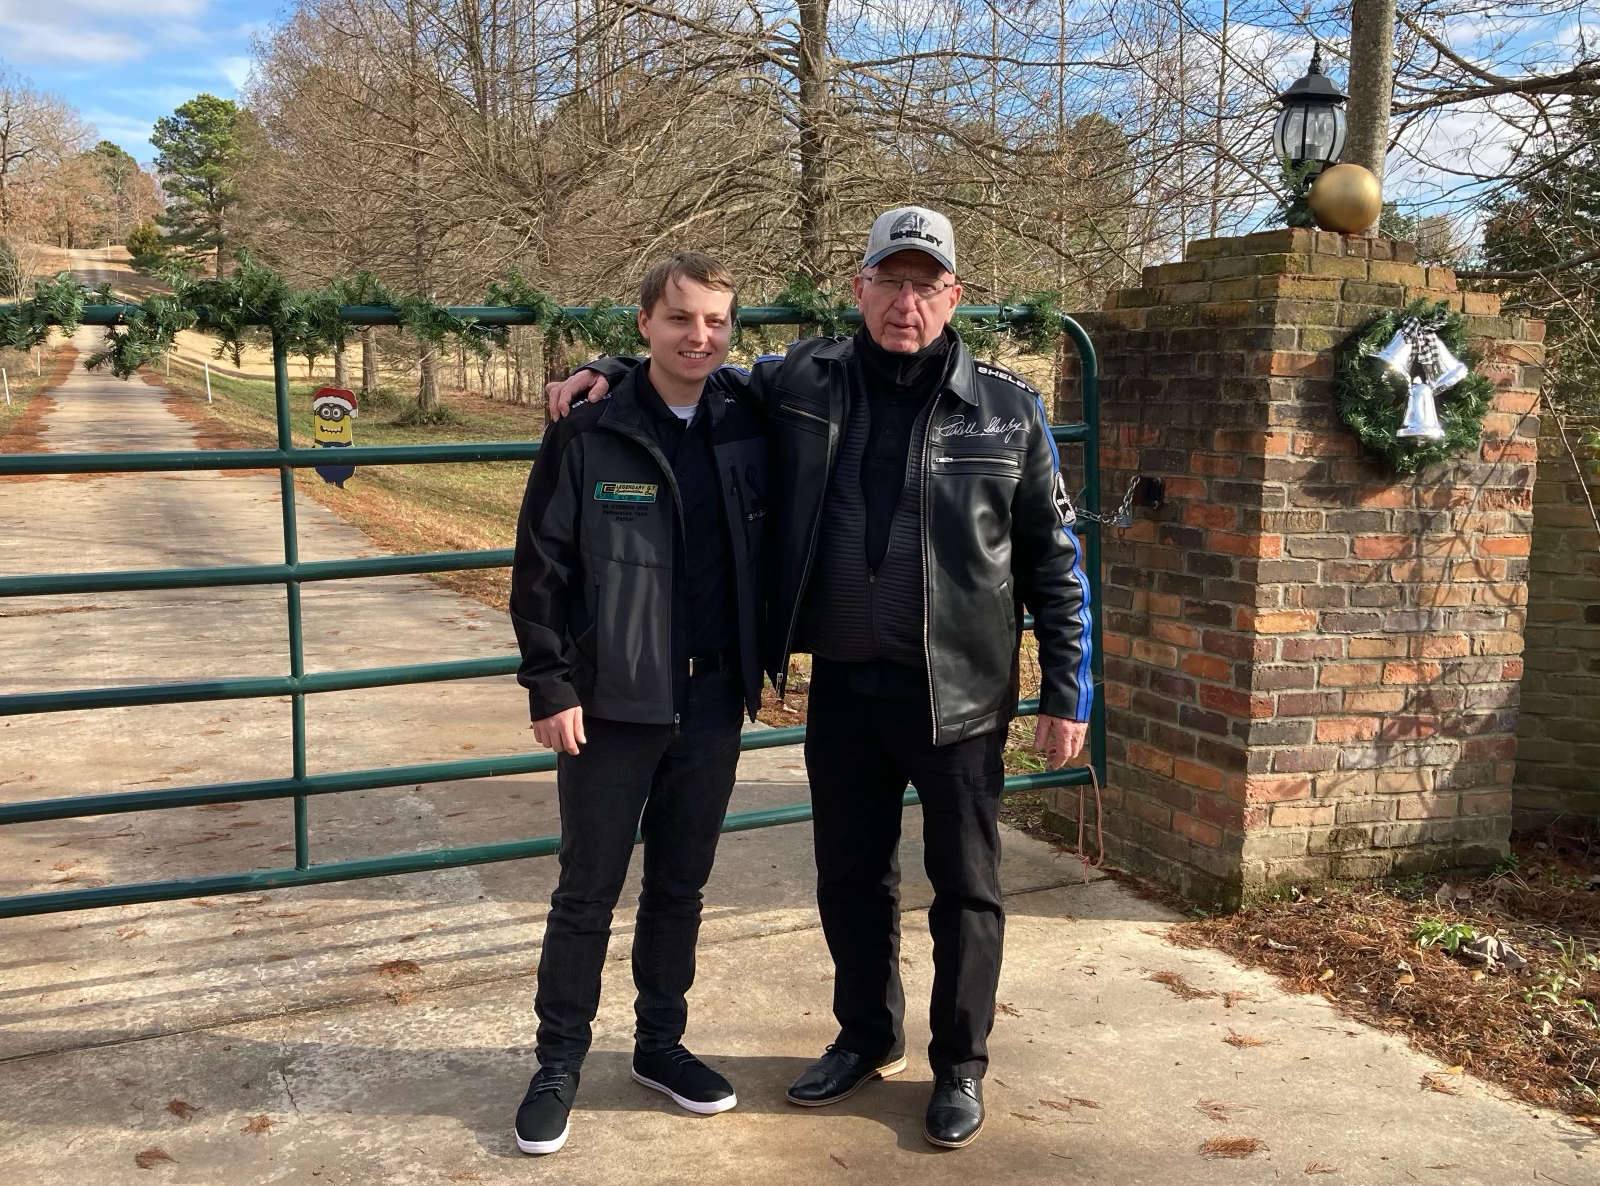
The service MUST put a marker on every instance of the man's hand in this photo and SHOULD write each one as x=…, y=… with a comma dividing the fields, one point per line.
x=562, y=732
x=1059, y=739
x=561, y=396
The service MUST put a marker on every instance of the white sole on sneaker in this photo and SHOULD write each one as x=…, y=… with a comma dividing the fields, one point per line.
x=542, y=1147
x=883, y=1072
x=698, y=1107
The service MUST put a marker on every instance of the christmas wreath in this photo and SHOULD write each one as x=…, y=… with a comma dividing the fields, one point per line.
x=1373, y=404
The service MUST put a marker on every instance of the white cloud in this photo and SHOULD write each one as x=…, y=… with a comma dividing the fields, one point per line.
x=32, y=41
x=235, y=70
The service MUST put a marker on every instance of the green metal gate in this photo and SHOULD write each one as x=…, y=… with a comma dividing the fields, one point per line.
x=299, y=683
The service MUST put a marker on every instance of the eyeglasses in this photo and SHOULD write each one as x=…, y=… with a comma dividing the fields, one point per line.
x=923, y=290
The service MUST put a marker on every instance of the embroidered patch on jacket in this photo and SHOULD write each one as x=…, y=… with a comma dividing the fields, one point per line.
x=1006, y=376
x=625, y=491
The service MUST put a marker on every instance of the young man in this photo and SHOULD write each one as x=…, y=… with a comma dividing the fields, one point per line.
x=917, y=510
x=636, y=593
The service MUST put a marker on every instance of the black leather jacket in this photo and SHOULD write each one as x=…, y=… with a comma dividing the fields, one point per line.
x=994, y=540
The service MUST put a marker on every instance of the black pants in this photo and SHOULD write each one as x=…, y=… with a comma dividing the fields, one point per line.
x=679, y=782
x=860, y=753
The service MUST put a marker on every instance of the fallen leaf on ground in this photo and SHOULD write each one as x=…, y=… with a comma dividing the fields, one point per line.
x=403, y=997
x=1436, y=1081
x=279, y=955
x=182, y=1109
x=1180, y=986
x=1242, y=1041
x=1007, y=1008
x=1024, y=1116
x=130, y=932
x=1327, y=974
x=1231, y=1147
x=149, y=1157
x=1230, y=999
x=838, y=1161
x=1321, y=1167
x=258, y=1124
x=463, y=1176
x=398, y=968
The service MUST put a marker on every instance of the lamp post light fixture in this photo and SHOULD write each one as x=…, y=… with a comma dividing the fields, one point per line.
x=1311, y=125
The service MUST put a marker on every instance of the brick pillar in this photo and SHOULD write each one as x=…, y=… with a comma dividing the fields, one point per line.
x=1311, y=665
x=1558, y=735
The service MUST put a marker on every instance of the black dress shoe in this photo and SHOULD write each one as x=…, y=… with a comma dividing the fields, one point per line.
x=838, y=1074
x=955, y=1113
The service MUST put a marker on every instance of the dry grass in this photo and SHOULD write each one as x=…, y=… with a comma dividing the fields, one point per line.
x=1243, y=1041
x=1231, y=1147
x=22, y=428
x=1531, y=1031
x=1180, y=987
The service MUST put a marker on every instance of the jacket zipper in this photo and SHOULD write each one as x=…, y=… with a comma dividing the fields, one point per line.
x=927, y=595
x=799, y=411
x=811, y=554
x=1006, y=461
x=738, y=498
x=671, y=479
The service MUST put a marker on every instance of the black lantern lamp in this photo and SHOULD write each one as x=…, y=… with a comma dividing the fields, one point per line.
x=1311, y=125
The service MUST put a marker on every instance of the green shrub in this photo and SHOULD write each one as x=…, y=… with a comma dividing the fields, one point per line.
x=146, y=246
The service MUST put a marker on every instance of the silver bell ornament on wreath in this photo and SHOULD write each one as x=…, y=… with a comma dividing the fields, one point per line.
x=1396, y=357
x=1440, y=368
x=1422, y=414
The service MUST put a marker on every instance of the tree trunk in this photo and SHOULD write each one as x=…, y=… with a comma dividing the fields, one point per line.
x=341, y=369
x=369, y=360
x=816, y=126
x=1371, y=87
x=428, y=383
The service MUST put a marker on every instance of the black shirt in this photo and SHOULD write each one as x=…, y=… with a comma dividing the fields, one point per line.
x=897, y=388
x=705, y=563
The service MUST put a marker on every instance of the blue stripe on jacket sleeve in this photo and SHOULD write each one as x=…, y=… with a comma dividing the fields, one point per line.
x=1086, y=644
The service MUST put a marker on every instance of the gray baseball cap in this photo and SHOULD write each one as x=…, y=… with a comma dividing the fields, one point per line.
x=913, y=228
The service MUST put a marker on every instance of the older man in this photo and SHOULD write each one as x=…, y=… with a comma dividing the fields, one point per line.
x=915, y=509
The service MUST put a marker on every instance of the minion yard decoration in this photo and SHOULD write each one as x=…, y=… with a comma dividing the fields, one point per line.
x=333, y=409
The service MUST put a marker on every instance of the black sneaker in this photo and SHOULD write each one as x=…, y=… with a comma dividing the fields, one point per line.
x=542, y=1119
x=690, y=1083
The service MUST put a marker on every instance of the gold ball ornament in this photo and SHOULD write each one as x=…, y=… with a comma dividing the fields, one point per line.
x=1345, y=198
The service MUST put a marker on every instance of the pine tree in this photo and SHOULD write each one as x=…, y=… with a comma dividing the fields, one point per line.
x=1552, y=218
x=201, y=156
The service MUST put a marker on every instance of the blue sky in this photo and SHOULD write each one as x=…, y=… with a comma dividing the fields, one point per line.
x=125, y=63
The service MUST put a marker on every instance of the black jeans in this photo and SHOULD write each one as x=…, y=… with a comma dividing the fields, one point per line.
x=680, y=783
x=860, y=753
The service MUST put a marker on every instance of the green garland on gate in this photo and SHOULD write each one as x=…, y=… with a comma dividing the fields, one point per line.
x=256, y=300
x=1373, y=407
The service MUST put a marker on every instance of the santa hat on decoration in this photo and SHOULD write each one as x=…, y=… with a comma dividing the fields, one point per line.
x=334, y=395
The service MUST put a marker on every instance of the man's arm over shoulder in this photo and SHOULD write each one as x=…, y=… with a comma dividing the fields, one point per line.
x=545, y=562
x=1049, y=571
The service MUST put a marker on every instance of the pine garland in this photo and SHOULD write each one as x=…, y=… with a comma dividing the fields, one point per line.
x=1373, y=408
x=256, y=299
